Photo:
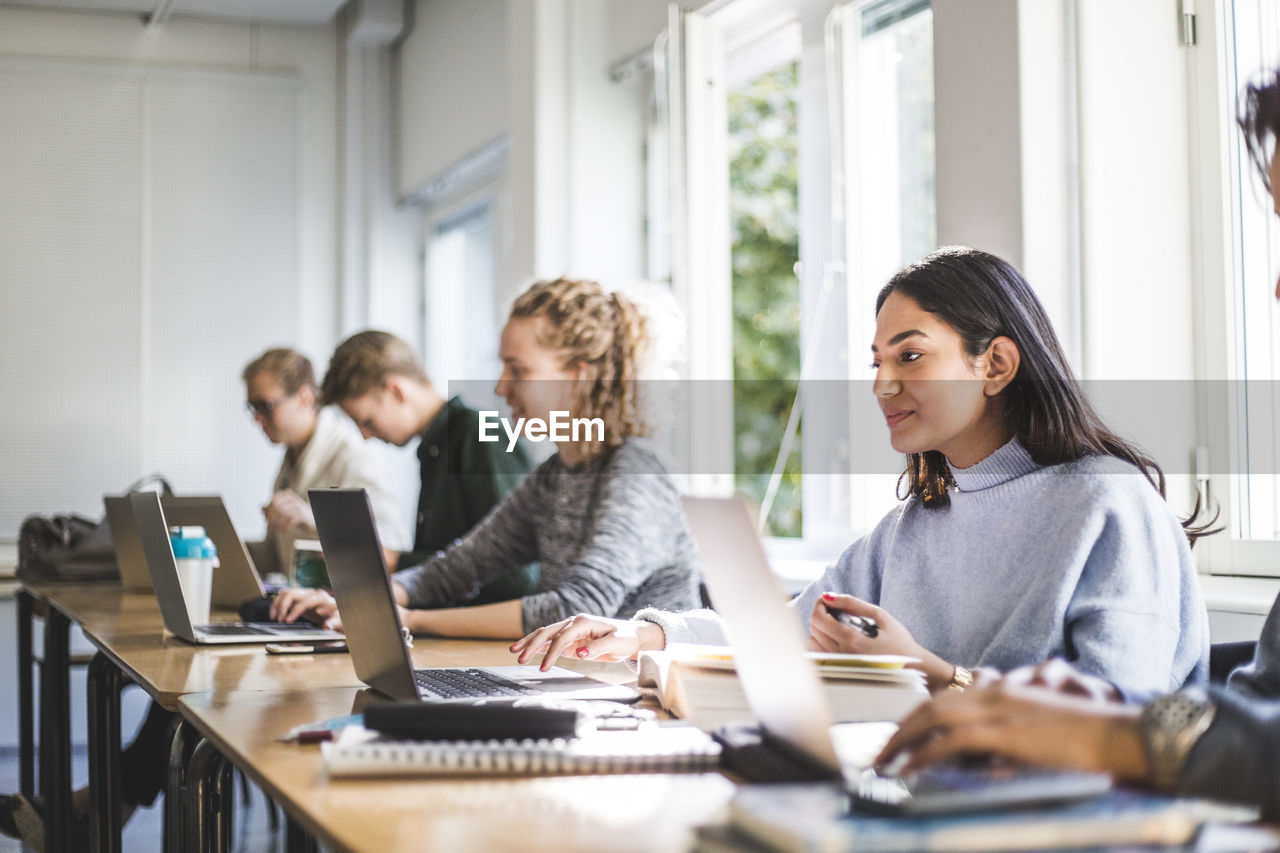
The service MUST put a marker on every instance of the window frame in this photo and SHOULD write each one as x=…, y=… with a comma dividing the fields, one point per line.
x=1219, y=177
x=458, y=207
x=696, y=47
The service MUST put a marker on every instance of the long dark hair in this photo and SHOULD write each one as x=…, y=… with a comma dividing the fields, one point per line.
x=1259, y=119
x=983, y=297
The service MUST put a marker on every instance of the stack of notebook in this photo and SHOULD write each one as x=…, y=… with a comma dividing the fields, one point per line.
x=700, y=685
x=650, y=748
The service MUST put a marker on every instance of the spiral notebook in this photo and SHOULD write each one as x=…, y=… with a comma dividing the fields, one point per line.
x=653, y=748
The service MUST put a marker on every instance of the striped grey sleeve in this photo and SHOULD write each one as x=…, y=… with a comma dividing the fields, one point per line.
x=502, y=541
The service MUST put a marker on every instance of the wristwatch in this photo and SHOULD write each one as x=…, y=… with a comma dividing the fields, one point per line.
x=1171, y=725
x=960, y=678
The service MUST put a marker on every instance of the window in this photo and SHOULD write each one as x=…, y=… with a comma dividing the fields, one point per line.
x=765, y=247
x=1253, y=43
x=461, y=283
x=1243, y=336
x=888, y=155
x=801, y=162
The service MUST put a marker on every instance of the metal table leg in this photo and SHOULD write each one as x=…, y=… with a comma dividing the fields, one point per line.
x=207, y=782
x=26, y=697
x=55, y=732
x=184, y=742
x=105, y=682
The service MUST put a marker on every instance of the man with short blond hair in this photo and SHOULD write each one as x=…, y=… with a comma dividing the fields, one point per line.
x=376, y=378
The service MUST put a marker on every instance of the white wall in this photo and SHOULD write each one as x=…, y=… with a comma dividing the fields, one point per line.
x=572, y=199
x=606, y=190
x=977, y=126
x=184, y=51
x=453, y=94
x=309, y=53
x=1135, y=191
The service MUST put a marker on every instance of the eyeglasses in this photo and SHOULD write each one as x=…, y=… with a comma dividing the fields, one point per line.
x=264, y=408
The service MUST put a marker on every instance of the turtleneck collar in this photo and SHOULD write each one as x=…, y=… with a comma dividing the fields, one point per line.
x=1009, y=462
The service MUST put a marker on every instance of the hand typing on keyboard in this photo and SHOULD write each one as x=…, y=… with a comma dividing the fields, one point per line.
x=313, y=605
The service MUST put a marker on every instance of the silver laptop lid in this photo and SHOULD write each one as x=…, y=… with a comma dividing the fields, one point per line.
x=153, y=532
x=782, y=688
x=126, y=542
x=236, y=579
x=358, y=574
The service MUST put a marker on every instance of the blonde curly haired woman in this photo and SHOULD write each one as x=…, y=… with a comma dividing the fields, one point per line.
x=601, y=516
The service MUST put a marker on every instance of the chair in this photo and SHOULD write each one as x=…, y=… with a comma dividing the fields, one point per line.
x=1224, y=657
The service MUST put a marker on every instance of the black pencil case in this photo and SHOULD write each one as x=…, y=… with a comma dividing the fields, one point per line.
x=467, y=721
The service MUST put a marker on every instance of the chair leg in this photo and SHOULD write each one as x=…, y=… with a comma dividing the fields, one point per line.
x=203, y=830
x=226, y=807
x=184, y=741
x=105, y=681
x=297, y=839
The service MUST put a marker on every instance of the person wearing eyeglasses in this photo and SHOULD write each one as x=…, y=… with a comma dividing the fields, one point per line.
x=320, y=449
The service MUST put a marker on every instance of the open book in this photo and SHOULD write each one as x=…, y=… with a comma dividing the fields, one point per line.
x=698, y=684
x=651, y=748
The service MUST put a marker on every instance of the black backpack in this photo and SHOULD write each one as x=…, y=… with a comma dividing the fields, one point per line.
x=71, y=547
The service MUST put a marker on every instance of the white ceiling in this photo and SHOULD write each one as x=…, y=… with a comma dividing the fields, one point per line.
x=298, y=12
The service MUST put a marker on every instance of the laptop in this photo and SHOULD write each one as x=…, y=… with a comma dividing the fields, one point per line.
x=786, y=696
x=153, y=533
x=236, y=579
x=378, y=642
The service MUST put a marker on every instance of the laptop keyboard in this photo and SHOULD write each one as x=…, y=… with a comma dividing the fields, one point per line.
x=267, y=629
x=467, y=684
x=220, y=629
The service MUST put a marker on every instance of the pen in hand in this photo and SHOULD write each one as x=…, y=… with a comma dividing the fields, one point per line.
x=865, y=624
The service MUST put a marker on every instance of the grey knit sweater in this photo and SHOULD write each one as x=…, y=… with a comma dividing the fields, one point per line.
x=1082, y=561
x=609, y=534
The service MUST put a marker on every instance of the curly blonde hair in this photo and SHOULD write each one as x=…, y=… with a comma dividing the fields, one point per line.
x=606, y=334
x=363, y=362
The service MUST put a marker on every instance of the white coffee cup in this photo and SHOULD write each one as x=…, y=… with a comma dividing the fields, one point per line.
x=196, y=557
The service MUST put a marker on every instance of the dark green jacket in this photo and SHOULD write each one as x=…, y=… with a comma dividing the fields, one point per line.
x=462, y=479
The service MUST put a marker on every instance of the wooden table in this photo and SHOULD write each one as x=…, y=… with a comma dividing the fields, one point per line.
x=105, y=607
x=617, y=813
x=248, y=698
x=127, y=629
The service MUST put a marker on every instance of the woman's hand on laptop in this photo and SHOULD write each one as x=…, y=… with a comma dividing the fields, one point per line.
x=589, y=637
x=891, y=637
x=313, y=605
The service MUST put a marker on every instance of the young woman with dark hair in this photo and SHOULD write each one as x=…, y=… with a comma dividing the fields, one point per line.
x=1221, y=743
x=1028, y=531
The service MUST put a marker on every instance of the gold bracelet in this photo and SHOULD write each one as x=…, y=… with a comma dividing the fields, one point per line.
x=960, y=678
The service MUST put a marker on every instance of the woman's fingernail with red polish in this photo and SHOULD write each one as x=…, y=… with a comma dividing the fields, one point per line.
x=829, y=596
x=583, y=651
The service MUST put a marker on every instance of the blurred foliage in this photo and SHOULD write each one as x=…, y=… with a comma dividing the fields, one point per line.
x=764, y=207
